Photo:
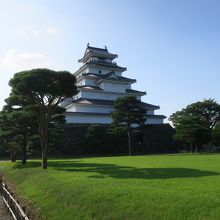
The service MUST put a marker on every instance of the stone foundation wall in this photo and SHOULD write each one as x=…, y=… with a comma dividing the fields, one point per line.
x=155, y=139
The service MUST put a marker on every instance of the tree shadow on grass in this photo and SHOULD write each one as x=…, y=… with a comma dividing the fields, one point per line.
x=125, y=172
x=120, y=172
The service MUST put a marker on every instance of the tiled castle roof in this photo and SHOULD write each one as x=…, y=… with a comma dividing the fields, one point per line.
x=108, y=114
x=90, y=87
x=98, y=52
x=107, y=77
x=105, y=64
x=109, y=102
x=135, y=91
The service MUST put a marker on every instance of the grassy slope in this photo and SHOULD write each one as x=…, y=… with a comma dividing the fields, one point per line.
x=139, y=187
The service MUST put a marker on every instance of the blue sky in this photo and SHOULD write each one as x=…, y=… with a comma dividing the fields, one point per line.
x=172, y=47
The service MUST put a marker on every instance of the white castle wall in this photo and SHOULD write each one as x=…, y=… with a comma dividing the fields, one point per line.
x=90, y=108
x=97, y=59
x=154, y=121
x=101, y=119
x=95, y=108
x=97, y=70
x=111, y=91
x=150, y=112
x=104, y=71
x=113, y=87
x=86, y=81
x=98, y=109
x=98, y=95
x=88, y=119
x=90, y=82
x=80, y=82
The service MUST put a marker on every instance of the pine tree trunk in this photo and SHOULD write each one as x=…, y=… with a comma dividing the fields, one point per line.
x=44, y=141
x=44, y=148
x=13, y=156
x=24, y=150
x=191, y=144
x=129, y=142
x=44, y=159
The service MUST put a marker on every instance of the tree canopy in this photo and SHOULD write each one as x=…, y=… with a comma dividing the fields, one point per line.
x=42, y=90
x=130, y=113
x=195, y=123
x=21, y=120
x=216, y=134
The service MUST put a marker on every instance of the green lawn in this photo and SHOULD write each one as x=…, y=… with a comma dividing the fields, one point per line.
x=139, y=187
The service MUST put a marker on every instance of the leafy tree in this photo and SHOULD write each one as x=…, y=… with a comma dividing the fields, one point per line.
x=207, y=110
x=56, y=131
x=216, y=134
x=23, y=121
x=129, y=113
x=44, y=90
x=193, y=131
x=9, y=137
x=194, y=123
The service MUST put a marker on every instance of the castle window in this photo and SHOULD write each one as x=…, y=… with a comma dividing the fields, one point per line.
x=101, y=59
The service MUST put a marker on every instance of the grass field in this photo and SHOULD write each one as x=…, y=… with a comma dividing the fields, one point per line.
x=138, y=187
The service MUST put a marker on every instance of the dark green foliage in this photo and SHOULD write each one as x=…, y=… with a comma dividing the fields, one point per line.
x=111, y=140
x=118, y=136
x=193, y=131
x=97, y=135
x=96, y=139
x=207, y=110
x=10, y=138
x=43, y=90
x=33, y=145
x=43, y=85
x=216, y=134
x=74, y=139
x=56, y=132
x=22, y=122
x=194, y=123
x=105, y=140
x=158, y=139
x=130, y=114
x=129, y=111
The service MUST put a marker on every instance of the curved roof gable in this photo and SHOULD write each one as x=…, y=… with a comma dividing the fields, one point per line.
x=97, y=52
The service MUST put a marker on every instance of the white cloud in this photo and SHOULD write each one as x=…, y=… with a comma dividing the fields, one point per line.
x=31, y=31
x=16, y=61
x=27, y=30
x=52, y=30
